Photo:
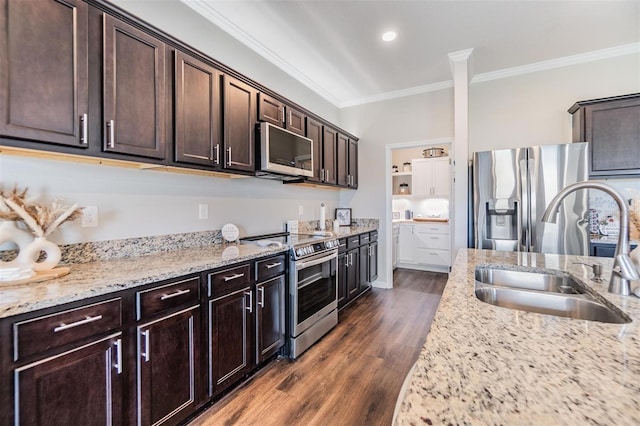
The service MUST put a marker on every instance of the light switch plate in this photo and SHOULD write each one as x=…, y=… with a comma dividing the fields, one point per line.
x=90, y=217
x=203, y=211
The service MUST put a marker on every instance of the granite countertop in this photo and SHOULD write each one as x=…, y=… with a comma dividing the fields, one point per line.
x=102, y=277
x=483, y=364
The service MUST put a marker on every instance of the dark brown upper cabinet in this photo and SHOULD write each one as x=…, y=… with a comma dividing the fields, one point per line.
x=197, y=112
x=43, y=71
x=134, y=91
x=314, y=132
x=353, y=163
x=239, y=100
x=329, y=148
x=612, y=128
x=343, y=160
x=275, y=112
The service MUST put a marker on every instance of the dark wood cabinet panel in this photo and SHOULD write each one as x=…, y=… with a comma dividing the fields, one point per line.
x=373, y=261
x=230, y=327
x=270, y=110
x=296, y=121
x=363, y=281
x=78, y=387
x=197, y=111
x=269, y=317
x=342, y=160
x=314, y=132
x=168, y=296
x=343, y=260
x=168, y=367
x=353, y=274
x=134, y=91
x=239, y=124
x=43, y=71
x=329, y=148
x=612, y=128
x=353, y=163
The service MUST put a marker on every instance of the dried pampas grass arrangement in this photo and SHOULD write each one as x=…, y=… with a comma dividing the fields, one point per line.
x=41, y=220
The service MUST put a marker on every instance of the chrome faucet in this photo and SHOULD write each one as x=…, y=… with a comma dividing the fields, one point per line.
x=623, y=269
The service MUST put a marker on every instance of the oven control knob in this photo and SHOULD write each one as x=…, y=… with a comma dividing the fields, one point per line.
x=310, y=249
x=299, y=252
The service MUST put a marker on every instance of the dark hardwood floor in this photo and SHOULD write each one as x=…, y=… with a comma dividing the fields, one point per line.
x=353, y=375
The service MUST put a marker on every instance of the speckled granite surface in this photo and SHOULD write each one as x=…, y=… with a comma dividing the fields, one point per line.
x=145, y=261
x=483, y=364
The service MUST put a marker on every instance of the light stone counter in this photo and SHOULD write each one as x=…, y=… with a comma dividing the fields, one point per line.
x=103, y=277
x=482, y=364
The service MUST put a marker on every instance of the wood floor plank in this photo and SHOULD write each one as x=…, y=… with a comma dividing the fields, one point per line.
x=350, y=377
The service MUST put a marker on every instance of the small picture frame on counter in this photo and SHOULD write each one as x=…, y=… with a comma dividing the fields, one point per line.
x=343, y=216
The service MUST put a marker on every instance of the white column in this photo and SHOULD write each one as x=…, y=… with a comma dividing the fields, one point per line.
x=461, y=68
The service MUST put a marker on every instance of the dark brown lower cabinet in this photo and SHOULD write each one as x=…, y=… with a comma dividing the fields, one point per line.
x=373, y=261
x=353, y=273
x=82, y=386
x=343, y=260
x=168, y=366
x=269, y=317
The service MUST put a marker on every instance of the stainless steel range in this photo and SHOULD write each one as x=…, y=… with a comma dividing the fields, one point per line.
x=312, y=307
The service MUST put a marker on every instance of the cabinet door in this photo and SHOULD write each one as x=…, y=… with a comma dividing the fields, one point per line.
x=421, y=177
x=168, y=367
x=441, y=175
x=197, y=111
x=82, y=386
x=353, y=163
x=134, y=91
x=269, y=317
x=353, y=283
x=343, y=259
x=406, y=248
x=43, y=74
x=363, y=269
x=270, y=110
x=373, y=262
x=296, y=121
x=239, y=124
x=314, y=132
x=613, y=132
x=330, y=143
x=229, y=339
x=342, y=160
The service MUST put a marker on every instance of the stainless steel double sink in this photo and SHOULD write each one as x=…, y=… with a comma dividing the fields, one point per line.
x=544, y=292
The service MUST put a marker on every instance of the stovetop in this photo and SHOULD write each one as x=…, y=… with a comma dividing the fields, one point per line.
x=304, y=245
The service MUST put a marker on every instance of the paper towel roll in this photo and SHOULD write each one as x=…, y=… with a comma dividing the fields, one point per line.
x=322, y=217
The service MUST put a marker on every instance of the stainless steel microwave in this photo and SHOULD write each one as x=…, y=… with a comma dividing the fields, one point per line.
x=284, y=152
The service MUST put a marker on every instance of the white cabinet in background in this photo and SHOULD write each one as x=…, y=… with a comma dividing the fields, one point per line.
x=406, y=245
x=431, y=177
x=394, y=245
x=425, y=246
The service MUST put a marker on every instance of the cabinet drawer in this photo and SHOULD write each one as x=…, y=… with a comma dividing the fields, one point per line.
x=158, y=299
x=364, y=239
x=43, y=333
x=373, y=236
x=433, y=228
x=433, y=257
x=432, y=241
x=353, y=242
x=229, y=280
x=342, y=245
x=271, y=267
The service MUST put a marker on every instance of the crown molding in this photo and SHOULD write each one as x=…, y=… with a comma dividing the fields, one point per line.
x=205, y=9
x=399, y=94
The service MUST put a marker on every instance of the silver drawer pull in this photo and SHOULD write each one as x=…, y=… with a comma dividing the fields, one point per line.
x=87, y=320
x=176, y=294
x=233, y=277
x=146, y=354
x=112, y=133
x=118, y=364
x=261, y=300
x=272, y=265
x=84, y=138
x=250, y=306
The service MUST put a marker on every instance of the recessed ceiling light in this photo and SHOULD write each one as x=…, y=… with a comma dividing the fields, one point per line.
x=389, y=36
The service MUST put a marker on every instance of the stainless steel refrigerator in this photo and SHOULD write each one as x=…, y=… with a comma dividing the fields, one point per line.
x=512, y=188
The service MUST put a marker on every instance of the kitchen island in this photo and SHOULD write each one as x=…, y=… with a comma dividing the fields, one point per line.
x=483, y=364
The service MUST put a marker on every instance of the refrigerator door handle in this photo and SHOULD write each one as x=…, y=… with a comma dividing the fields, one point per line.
x=523, y=215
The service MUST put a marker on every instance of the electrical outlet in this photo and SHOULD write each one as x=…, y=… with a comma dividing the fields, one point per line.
x=90, y=217
x=300, y=210
x=203, y=211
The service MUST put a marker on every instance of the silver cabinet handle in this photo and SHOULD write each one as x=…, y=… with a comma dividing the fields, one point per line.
x=84, y=137
x=229, y=154
x=176, y=294
x=147, y=353
x=112, y=133
x=217, y=155
x=273, y=265
x=284, y=118
x=290, y=122
x=321, y=174
x=118, y=364
x=250, y=306
x=327, y=173
x=261, y=300
x=233, y=277
x=87, y=320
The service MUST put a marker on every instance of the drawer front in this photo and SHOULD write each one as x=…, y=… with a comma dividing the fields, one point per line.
x=432, y=241
x=342, y=245
x=158, y=299
x=353, y=242
x=228, y=281
x=433, y=257
x=364, y=239
x=433, y=228
x=41, y=334
x=271, y=267
x=373, y=236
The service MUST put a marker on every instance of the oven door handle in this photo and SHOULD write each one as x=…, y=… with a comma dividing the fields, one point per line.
x=303, y=265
